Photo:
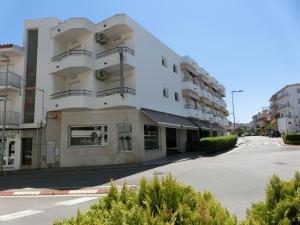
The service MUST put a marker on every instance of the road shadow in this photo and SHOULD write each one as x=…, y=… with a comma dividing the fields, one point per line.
x=82, y=177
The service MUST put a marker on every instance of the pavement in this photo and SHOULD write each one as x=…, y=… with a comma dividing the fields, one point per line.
x=237, y=178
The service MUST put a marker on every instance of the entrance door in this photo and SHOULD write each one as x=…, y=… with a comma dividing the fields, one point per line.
x=171, y=139
x=8, y=154
x=192, y=140
x=26, y=151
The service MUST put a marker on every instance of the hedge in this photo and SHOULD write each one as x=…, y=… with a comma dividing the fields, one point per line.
x=293, y=139
x=158, y=202
x=217, y=144
x=281, y=206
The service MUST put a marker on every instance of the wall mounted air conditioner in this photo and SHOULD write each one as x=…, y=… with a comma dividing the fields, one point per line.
x=101, y=75
x=101, y=38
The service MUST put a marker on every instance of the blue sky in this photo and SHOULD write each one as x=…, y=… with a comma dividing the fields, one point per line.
x=252, y=45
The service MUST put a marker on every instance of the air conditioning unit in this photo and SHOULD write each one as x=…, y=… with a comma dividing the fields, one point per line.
x=101, y=38
x=101, y=75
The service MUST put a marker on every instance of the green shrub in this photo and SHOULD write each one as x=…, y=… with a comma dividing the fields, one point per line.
x=281, y=206
x=158, y=202
x=293, y=139
x=217, y=144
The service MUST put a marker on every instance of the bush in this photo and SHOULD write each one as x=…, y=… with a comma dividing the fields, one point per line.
x=217, y=144
x=158, y=202
x=293, y=139
x=281, y=206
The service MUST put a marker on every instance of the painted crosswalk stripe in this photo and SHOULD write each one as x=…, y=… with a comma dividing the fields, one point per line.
x=20, y=214
x=76, y=201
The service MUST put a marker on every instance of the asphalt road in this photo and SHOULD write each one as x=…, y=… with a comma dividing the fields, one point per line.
x=237, y=178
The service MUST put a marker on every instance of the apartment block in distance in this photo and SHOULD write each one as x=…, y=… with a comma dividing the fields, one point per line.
x=285, y=109
x=84, y=94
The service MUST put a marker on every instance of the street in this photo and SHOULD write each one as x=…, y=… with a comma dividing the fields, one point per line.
x=237, y=178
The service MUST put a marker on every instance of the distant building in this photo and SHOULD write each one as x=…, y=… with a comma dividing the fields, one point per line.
x=285, y=109
x=260, y=120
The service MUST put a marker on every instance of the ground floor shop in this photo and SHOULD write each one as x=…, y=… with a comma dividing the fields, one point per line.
x=91, y=138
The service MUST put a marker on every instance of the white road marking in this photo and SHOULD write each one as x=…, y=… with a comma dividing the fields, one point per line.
x=76, y=201
x=20, y=214
x=84, y=191
x=26, y=193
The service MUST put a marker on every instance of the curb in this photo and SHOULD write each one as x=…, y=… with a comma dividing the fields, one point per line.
x=98, y=191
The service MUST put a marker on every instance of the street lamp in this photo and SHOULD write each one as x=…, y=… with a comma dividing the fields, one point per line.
x=232, y=92
x=4, y=113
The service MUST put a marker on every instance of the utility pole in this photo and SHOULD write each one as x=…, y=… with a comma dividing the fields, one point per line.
x=232, y=92
x=4, y=114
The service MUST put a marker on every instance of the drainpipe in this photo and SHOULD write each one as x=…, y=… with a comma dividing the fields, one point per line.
x=121, y=73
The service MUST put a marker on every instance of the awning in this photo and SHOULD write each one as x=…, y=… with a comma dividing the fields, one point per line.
x=169, y=120
x=205, y=125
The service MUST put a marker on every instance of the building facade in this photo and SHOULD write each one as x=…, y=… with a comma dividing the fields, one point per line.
x=83, y=94
x=285, y=109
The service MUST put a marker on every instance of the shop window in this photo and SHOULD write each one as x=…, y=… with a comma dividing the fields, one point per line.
x=88, y=135
x=151, y=137
x=124, y=137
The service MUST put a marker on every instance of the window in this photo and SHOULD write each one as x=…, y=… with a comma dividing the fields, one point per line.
x=298, y=90
x=124, y=137
x=166, y=93
x=176, y=97
x=175, y=70
x=164, y=61
x=88, y=135
x=298, y=101
x=150, y=137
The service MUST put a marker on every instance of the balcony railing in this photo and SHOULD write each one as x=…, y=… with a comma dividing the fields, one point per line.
x=12, y=118
x=283, y=106
x=190, y=106
x=285, y=94
x=71, y=93
x=115, y=50
x=114, y=91
x=71, y=52
x=12, y=79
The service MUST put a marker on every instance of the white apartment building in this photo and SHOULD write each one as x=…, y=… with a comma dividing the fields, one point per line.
x=84, y=94
x=285, y=107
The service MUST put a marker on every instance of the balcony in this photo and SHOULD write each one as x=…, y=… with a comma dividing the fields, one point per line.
x=112, y=98
x=189, y=83
x=190, y=93
x=193, y=111
x=71, y=99
x=283, y=95
x=13, y=81
x=71, y=62
x=109, y=60
x=12, y=118
x=72, y=29
x=283, y=106
x=115, y=26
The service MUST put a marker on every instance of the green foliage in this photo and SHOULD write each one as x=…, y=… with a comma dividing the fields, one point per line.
x=293, y=139
x=162, y=201
x=217, y=144
x=281, y=206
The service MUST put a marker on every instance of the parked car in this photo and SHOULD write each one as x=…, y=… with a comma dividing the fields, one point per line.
x=274, y=134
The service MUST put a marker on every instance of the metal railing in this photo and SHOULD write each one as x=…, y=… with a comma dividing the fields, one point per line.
x=114, y=91
x=12, y=79
x=71, y=52
x=283, y=106
x=12, y=118
x=190, y=106
x=115, y=50
x=71, y=93
x=284, y=94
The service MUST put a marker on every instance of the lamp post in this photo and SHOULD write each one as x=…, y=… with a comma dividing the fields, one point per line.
x=232, y=92
x=4, y=113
